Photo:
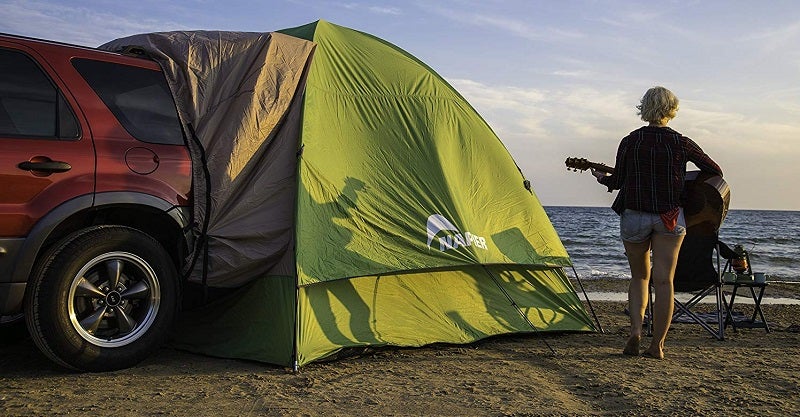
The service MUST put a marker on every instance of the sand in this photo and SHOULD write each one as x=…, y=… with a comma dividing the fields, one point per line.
x=750, y=373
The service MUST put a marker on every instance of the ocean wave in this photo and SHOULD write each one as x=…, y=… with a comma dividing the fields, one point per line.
x=591, y=237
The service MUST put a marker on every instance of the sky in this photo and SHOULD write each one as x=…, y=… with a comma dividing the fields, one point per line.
x=554, y=79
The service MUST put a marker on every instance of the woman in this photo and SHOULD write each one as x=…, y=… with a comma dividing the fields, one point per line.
x=649, y=172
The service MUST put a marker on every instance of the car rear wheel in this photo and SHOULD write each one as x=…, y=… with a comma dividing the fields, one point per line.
x=102, y=299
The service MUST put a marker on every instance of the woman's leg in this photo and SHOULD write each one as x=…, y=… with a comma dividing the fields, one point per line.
x=639, y=260
x=665, y=257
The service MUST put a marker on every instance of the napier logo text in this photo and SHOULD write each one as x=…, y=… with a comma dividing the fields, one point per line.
x=449, y=236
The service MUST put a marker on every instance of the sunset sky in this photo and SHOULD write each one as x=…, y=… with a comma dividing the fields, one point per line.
x=554, y=79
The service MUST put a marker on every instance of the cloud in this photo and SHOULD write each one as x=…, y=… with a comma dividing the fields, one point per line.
x=584, y=112
x=543, y=126
x=749, y=136
x=514, y=26
x=385, y=10
x=56, y=21
x=581, y=74
x=502, y=97
x=517, y=27
x=775, y=37
x=628, y=18
x=510, y=110
x=372, y=9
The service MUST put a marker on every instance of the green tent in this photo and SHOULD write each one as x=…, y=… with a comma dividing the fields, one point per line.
x=354, y=198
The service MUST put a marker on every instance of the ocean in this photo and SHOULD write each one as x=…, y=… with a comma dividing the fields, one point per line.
x=591, y=236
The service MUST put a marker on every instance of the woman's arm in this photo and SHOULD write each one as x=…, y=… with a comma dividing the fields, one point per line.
x=696, y=155
x=614, y=181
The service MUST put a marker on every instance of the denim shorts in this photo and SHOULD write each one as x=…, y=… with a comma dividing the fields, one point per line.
x=638, y=226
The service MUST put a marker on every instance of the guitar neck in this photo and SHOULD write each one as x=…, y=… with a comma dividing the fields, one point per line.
x=602, y=167
x=584, y=164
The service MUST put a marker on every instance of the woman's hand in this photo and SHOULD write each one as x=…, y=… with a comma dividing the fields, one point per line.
x=598, y=174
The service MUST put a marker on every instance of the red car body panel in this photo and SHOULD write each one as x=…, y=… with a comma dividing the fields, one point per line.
x=103, y=176
x=101, y=159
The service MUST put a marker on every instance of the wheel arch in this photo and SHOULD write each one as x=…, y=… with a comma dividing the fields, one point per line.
x=167, y=223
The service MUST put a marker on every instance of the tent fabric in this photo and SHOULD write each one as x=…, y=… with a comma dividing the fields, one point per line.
x=409, y=309
x=417, y=309
x=416, y=153
x=257, y=322
x=356, y=199
x=234, y=91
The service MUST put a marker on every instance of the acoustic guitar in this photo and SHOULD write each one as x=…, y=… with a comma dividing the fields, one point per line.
x=706, y=203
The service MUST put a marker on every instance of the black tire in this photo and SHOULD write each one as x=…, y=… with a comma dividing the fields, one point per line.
x=80, y=319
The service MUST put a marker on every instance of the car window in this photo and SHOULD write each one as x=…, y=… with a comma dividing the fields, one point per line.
x=30, y=104
x=138, y=97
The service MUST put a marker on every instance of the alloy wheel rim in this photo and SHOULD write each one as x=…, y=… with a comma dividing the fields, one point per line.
x=114, y=299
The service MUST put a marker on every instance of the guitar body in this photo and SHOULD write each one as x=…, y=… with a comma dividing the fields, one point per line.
x=707, y=200
x=707, y=197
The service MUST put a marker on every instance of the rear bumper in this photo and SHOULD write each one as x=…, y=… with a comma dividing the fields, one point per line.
x=11, y=296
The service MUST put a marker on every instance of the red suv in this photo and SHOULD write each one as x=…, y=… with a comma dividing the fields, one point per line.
x=94, y=201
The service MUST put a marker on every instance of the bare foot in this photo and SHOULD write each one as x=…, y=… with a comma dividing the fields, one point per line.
x=653, y=353
x=632, y=347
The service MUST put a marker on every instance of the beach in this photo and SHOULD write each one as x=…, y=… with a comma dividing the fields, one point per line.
x=750, y=373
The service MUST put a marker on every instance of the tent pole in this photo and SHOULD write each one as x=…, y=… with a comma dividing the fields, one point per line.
x=586, y=296
x=519, y=310
x=295, y=364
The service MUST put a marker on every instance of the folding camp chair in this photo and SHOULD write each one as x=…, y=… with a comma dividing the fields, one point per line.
x=699, y=268
x=699, y=273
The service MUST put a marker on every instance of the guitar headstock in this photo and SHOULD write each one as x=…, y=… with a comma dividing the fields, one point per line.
x=577, y=164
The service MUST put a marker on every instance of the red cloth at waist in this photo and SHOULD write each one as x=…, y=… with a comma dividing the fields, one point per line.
x=670, y=218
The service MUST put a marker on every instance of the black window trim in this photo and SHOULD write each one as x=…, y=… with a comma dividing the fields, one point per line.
x=60, y=96
x=117, y=111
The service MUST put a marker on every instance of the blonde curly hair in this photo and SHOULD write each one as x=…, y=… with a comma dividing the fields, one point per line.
x=658, y=104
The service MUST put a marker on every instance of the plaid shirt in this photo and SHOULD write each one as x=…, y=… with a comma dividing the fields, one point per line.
x=651, y=167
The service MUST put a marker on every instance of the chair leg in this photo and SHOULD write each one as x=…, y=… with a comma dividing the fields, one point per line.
x=686, y=309
x=721, y=315
x=698, y=320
